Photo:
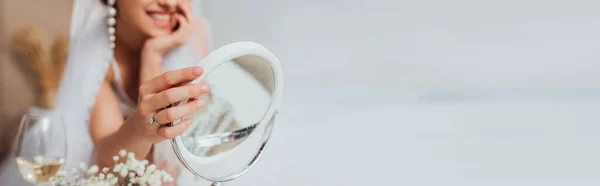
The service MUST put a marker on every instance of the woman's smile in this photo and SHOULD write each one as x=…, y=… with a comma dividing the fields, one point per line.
x=162, y=19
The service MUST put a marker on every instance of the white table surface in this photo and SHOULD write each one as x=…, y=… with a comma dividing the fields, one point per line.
x=343, y=136
x=330, y=136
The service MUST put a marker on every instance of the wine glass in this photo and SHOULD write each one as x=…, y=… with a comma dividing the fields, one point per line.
x=41, y=147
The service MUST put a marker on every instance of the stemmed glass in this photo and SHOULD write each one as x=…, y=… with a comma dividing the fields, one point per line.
x=41, y=147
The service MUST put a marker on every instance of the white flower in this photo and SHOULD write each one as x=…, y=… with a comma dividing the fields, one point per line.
x=139, y=172
x=123, y=173
x=145, y=178
x=122, y=153
x=118, y=167
x=131, y=156
x=151, y=168
x=93, y=170
x=113, y=180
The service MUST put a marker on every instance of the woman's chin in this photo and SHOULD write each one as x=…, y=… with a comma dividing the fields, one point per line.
x=160, y=32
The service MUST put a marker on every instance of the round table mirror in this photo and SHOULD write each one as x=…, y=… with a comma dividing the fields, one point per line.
x=230, y=133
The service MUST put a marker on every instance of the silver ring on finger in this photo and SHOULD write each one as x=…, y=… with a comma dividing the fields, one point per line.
x=152, y=121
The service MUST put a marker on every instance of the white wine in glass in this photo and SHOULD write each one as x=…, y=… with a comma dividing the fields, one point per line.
x=41, y=148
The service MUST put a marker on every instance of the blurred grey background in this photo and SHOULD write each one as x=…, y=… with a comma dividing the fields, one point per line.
x=428, y=92
x=431, y=43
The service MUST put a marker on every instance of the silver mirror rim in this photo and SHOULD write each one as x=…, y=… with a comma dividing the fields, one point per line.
x=213, y=61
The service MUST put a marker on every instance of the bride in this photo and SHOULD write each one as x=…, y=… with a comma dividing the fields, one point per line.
x=125, y=68
x=130, y=111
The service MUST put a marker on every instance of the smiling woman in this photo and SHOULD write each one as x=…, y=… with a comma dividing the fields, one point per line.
x=145, y=32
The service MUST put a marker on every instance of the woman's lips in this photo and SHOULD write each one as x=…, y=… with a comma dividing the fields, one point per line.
x=161, y=20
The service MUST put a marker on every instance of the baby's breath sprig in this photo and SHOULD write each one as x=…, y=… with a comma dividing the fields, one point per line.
x=126, y=171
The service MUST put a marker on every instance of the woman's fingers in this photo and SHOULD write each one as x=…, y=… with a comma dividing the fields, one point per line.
x=178, y=37
x=184, y=32
x=171, y=114
x=186, y=8
x=175, y=130
x=170, y=79
x=174, y=95
x=182, y=35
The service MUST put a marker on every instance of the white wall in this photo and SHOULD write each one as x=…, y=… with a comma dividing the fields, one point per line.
x=469, y=44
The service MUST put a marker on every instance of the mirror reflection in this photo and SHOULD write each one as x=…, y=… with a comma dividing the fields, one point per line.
x=240, y=95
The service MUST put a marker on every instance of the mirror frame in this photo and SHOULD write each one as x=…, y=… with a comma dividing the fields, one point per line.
x=214, y=60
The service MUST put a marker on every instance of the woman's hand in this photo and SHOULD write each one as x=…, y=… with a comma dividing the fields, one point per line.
x=156, y=94
x=186, y=24
x=155, y=48
x=159, y=90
